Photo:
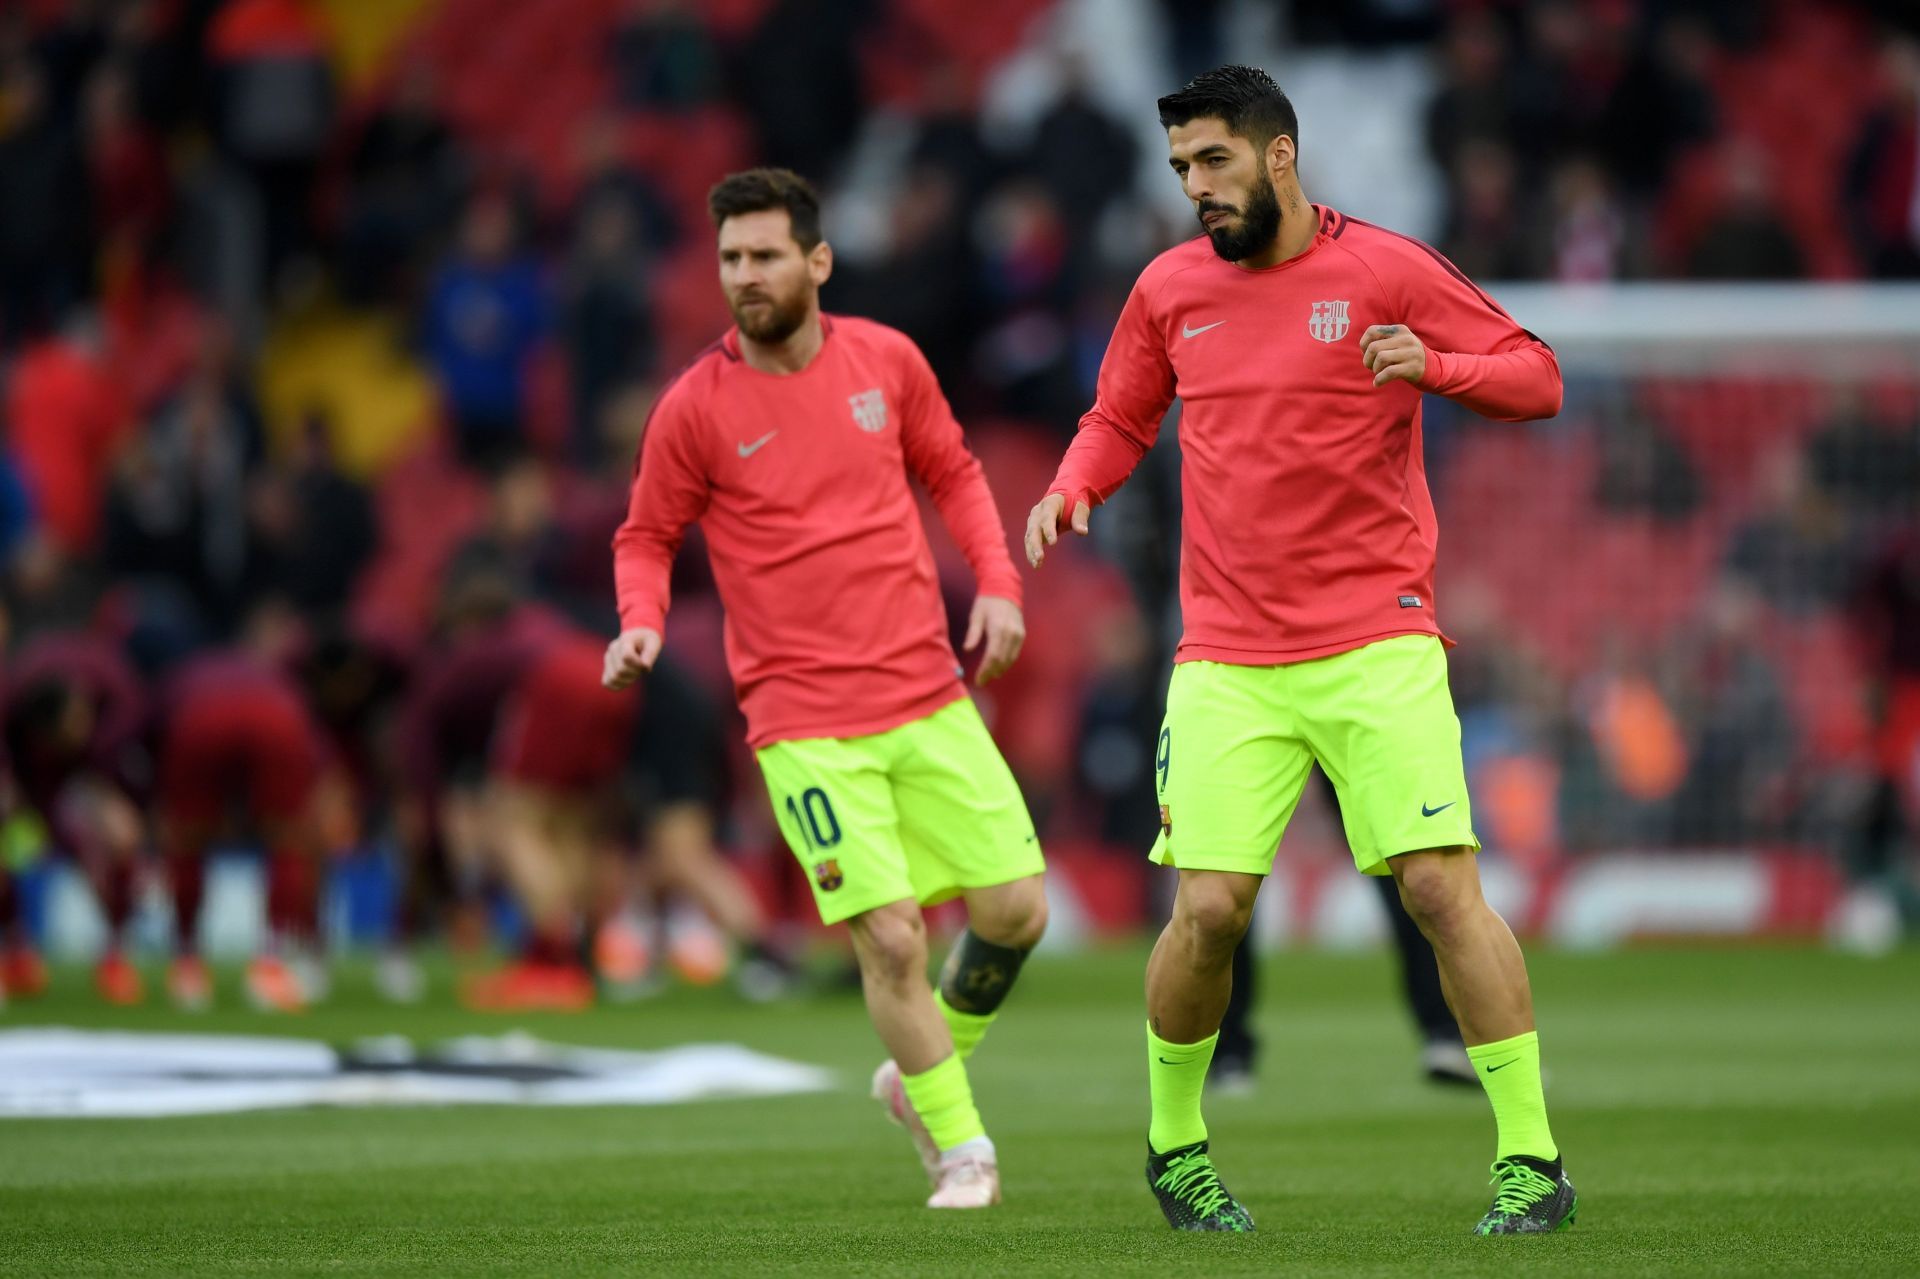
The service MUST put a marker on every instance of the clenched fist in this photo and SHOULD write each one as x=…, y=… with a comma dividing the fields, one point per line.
x=630, y=657
x=1392, y=351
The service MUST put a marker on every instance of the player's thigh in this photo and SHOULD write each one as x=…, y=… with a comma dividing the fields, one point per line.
x=195, y=767
x=835, y=805
x=1382, y=724
x=962, y=816
x=1228, y=768
x=283, y=752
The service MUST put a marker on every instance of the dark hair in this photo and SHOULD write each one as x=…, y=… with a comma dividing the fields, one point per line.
x=756, y=190
x=1245, y=98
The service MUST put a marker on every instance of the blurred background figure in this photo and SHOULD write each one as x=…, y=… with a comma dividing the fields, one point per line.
x=241, y=756
x=486, y=312
x=74, y=717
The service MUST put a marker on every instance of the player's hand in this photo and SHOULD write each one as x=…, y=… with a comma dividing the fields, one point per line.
x=1393, y=352
x=1043, y=525
x=630, y=657
x=999, y=623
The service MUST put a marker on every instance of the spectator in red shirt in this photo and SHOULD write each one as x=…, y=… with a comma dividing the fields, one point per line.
x=65, y=418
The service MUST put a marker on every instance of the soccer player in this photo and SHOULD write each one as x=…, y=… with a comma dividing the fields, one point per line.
x=445, y=727
x=790, y=440
x=1299, y=341
x=238, y=736
x=72, y=720
x=562, y=742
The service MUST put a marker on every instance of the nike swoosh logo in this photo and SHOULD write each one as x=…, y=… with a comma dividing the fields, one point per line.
x=1165, y=1062
x=1503, y=1065
x=748, y=450
x=1187, y=331
x=1428, y=812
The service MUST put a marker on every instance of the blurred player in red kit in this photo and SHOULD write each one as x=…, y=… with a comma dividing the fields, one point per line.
x=570, y=759
x=447, y=722
x=75, y=714
x=242, y=753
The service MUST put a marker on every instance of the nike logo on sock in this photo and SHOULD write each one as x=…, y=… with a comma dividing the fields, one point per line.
x=748, y=450
x=1503, y=1065
x=1164, y=1062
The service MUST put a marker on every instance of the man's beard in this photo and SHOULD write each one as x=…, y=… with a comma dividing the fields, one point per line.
x=1258, y=225
x=777, y=323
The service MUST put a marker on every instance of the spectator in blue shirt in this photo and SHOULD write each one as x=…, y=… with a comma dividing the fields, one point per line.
x=486, y=316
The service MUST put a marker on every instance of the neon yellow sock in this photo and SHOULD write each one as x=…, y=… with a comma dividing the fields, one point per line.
x=1510, y=1071
x=1176, y=1075
x=943, y=1099
x=968, y=1028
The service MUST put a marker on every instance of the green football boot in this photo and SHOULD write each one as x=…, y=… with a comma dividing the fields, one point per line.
x=1190, y=1193
x=1534, y=1197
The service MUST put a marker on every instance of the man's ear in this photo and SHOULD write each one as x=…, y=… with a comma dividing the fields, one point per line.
x=820, y=263
x=1281, y=156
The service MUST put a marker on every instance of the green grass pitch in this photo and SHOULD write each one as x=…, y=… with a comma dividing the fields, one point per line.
x=1729, y=1112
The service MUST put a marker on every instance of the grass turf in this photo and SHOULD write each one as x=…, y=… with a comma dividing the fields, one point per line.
x=1722, y=1111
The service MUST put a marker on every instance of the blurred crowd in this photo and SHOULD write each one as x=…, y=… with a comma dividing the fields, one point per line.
x=325, y=369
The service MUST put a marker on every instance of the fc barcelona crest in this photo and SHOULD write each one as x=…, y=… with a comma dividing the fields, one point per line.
x=1328, y=321
x=827, y=874
x=869, y=410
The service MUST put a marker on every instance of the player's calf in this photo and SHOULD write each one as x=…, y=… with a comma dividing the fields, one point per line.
x=1004, y=924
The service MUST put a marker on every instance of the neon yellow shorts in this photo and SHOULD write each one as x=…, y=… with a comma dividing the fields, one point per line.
x=1239, y=741
x=922, y=812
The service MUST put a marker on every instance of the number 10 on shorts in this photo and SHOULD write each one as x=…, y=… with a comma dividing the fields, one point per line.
x=813, y=817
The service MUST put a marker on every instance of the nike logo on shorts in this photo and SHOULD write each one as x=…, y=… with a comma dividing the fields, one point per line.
x=1429, y=812
x=748, y=450
x=1188, y=331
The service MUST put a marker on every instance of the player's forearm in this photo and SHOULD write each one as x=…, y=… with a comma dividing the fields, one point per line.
x=642, y=579
x=1103, y=454
x=1507, y=386
x=967, y=508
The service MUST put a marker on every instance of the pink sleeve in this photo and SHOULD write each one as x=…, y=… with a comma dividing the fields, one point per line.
x=670, y=491
x=936, y=451
x=1135, y=389
x=1476, y=353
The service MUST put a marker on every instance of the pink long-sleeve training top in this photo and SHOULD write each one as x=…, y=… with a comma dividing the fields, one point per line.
x=834, y=621
x=1307, y=526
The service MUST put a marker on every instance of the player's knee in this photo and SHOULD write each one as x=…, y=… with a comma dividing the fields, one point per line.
x=1436, y=893
x=1019, y=922
x=892, y=944
x=1213, y=916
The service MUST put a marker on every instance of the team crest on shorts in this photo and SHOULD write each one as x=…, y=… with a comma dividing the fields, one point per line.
x=827, y=874
x=870, y=409
x=1328, y=322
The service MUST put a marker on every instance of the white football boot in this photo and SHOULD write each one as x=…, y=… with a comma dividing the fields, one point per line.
x=969, y=1177
x=892, y=1094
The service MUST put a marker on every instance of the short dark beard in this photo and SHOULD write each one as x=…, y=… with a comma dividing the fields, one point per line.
x=781, y=323
x=1258, y=227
